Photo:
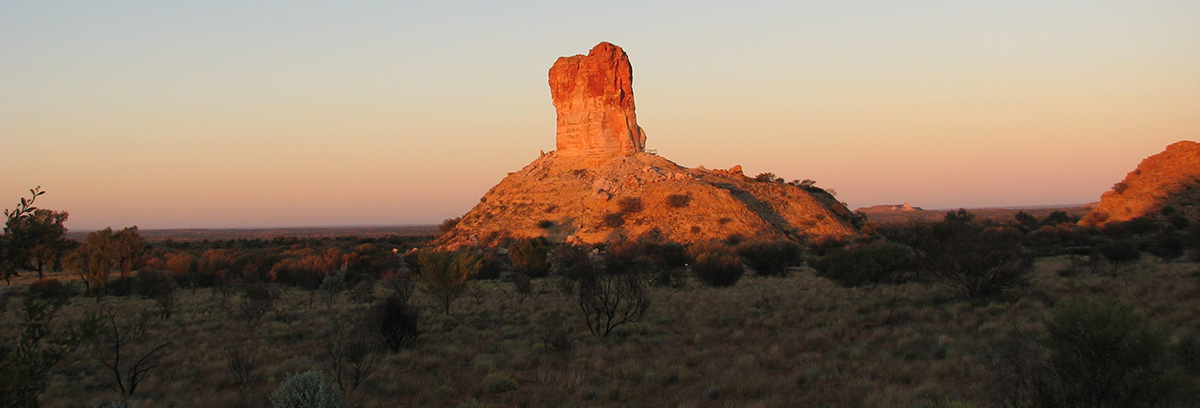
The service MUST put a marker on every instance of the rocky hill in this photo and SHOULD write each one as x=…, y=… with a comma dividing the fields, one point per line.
x=1163, y=185
x=601, y=185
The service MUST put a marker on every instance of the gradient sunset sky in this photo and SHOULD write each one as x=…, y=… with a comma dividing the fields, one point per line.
x=227, y=114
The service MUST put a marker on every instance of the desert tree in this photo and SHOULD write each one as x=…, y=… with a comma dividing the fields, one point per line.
x=32, y=237
x=447, y=275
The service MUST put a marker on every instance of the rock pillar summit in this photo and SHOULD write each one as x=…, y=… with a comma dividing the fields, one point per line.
x=593, y=95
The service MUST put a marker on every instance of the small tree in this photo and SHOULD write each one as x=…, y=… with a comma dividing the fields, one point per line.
x=447, y=275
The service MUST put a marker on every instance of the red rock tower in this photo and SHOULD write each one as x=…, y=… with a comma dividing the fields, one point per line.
x=593, y=95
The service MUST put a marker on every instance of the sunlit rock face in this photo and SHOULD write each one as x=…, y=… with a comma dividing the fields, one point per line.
x=601, y=186
x=1163, y=187
x=593, y=95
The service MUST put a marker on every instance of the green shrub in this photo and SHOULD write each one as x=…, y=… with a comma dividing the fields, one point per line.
x=718, y=267
x=1103, y=355
x=310, y=389
x=875, y=263
x=770, y=258
x=498, y=383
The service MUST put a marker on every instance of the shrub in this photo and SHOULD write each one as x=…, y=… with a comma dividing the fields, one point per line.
x=630, y=205
x=608, y=300
x=394, y=323
x=1103, y=355
x=448, y=224
x=49, y=288
x=498, y=383
x=770, y=258
x=975, y=260
x=1167, y=245
x=718, y=267
x=529, y=256
x=150, y=284
x=119, y=287
x=613, y=220
x=678, y=200
x=310, y=389
x=545, y=224
x=878, y=262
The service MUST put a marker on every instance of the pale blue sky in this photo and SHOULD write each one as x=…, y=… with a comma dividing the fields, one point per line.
x=244, y=114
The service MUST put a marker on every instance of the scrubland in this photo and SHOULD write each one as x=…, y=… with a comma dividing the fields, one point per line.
x=794, y=340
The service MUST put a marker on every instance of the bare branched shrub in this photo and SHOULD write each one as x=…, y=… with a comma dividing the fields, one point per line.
x=609, y=300
x=978, y=261
x=241, y=356
x=350, y=357
x=401, y=283
x=130, y=359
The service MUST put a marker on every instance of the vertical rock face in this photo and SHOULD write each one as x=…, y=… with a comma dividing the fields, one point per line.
x=593, y=95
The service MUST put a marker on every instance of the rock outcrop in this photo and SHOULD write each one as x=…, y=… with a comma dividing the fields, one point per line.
x=593, y=95
x=1163, y=185
x=600, y=185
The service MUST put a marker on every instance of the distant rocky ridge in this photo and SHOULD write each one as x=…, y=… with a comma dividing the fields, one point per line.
x=601, y=185
x=888, y=208
x=1166, y=184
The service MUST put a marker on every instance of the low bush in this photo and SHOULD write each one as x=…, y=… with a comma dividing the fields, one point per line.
x=874, y=263
x=977, y=261
x=678, y=200
x=613, y=220
x=630, y=205
x=770, y=258
x=1103, y=355
x=717, y=267
x=393, y=322
x=48, y=288
x=310, y=389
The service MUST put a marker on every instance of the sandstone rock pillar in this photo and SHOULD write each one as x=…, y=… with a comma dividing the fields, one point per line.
x=593, y=95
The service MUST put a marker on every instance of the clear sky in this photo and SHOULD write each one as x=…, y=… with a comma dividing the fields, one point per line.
x=218, y=114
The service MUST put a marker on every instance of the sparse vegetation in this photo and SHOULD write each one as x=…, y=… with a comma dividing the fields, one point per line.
x=678, y=200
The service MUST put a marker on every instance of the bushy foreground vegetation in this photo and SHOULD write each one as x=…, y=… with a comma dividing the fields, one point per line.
x=1033, y=313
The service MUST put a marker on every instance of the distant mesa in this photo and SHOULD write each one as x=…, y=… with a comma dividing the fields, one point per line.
x=1165, y=185
x=885, y=208
x=601, y=185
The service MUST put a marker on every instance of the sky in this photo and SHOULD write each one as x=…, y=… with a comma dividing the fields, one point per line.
x=236, y=114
